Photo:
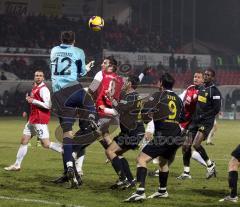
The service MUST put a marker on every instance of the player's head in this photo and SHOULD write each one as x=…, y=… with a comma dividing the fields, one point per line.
x=209, y=75
x=68, y=37
x=109, y=64
x=38, y=77
x=132, y=82
x=198, y=78
x=167, y=81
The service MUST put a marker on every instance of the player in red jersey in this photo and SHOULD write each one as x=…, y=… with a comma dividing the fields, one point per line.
x=189, y=97
x=107, y=84
x=40, y=104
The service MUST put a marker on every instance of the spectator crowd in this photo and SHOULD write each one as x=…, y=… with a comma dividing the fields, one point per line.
x=43, y=32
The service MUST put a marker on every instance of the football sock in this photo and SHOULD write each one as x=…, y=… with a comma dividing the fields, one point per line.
x=196, y=156
x=117, y=165
x=186, y=170
x=163, y=177
x=210, y=136
x=232, y=181
x=209, y=163
x=202, y=152
x=141, y=177
x=126, y=169
x=79, y=163
x=22, y=151
x=187, y=157
x=67, y=151
x=56, y=147
x=64, y=165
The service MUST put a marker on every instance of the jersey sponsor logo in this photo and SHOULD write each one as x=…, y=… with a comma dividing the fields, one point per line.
x=216, y=97
x=202, y=99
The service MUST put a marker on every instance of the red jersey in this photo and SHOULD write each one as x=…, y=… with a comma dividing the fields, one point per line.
x=110, y=85
x=38, y=114
x=189, y=103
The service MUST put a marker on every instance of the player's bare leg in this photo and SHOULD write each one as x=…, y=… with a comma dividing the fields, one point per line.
x=46, y=143
x=211, y=167
x=211, y=134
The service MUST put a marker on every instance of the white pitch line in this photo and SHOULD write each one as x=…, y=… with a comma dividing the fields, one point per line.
x=37, y=201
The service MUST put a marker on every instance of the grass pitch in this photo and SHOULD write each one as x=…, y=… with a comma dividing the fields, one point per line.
x=41, y=165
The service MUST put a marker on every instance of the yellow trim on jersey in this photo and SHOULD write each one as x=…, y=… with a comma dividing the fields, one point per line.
x=202, y=99
x=171, y=121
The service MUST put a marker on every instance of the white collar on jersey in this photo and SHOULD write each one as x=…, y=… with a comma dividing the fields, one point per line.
x=66, y=45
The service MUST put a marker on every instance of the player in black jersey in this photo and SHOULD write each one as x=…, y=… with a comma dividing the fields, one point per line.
x=132, y=132
x=166, y=109
x=207, y=107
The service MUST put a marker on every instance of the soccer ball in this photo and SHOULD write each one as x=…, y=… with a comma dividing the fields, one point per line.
x=96, y=23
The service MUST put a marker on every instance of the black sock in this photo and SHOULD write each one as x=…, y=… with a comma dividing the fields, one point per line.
x=163, y=177
x=64, y=166
x=202, y=152
x=141, y=177
x=67, y=149
x=126, y=169
x=187, y=157
x=117, y=165
x=232, y=181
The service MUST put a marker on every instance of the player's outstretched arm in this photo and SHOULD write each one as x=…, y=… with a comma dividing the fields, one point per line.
x=90, y=65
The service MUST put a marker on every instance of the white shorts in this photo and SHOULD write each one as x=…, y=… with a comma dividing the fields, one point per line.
x=40, y=130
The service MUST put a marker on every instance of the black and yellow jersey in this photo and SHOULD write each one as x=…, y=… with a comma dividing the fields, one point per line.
x=166, y=109
x=208, y=103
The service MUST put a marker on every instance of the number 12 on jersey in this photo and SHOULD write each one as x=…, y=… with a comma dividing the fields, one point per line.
x=62, y=64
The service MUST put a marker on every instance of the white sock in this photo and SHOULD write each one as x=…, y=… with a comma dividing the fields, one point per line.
x=22, y=151
x=186, y=169
x=56, y=147
x=79, y=163
x=69, y=164
x=155, y=160
x=210, y=136
x=197, y=157
x=209, y=162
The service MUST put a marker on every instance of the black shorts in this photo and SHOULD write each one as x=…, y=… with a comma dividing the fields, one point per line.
x=165, y=147
x=203, y=126
x=72, y=103
x=131, y=139
x=236, y=153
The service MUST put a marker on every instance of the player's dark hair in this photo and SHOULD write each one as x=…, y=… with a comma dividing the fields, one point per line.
x=113, y=62
x=67, y=37
x=211, y=71
x=167, y=81
x=134, y=80
x=39, y=70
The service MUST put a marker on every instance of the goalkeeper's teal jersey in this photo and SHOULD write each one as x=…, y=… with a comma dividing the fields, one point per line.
x=67, y=64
